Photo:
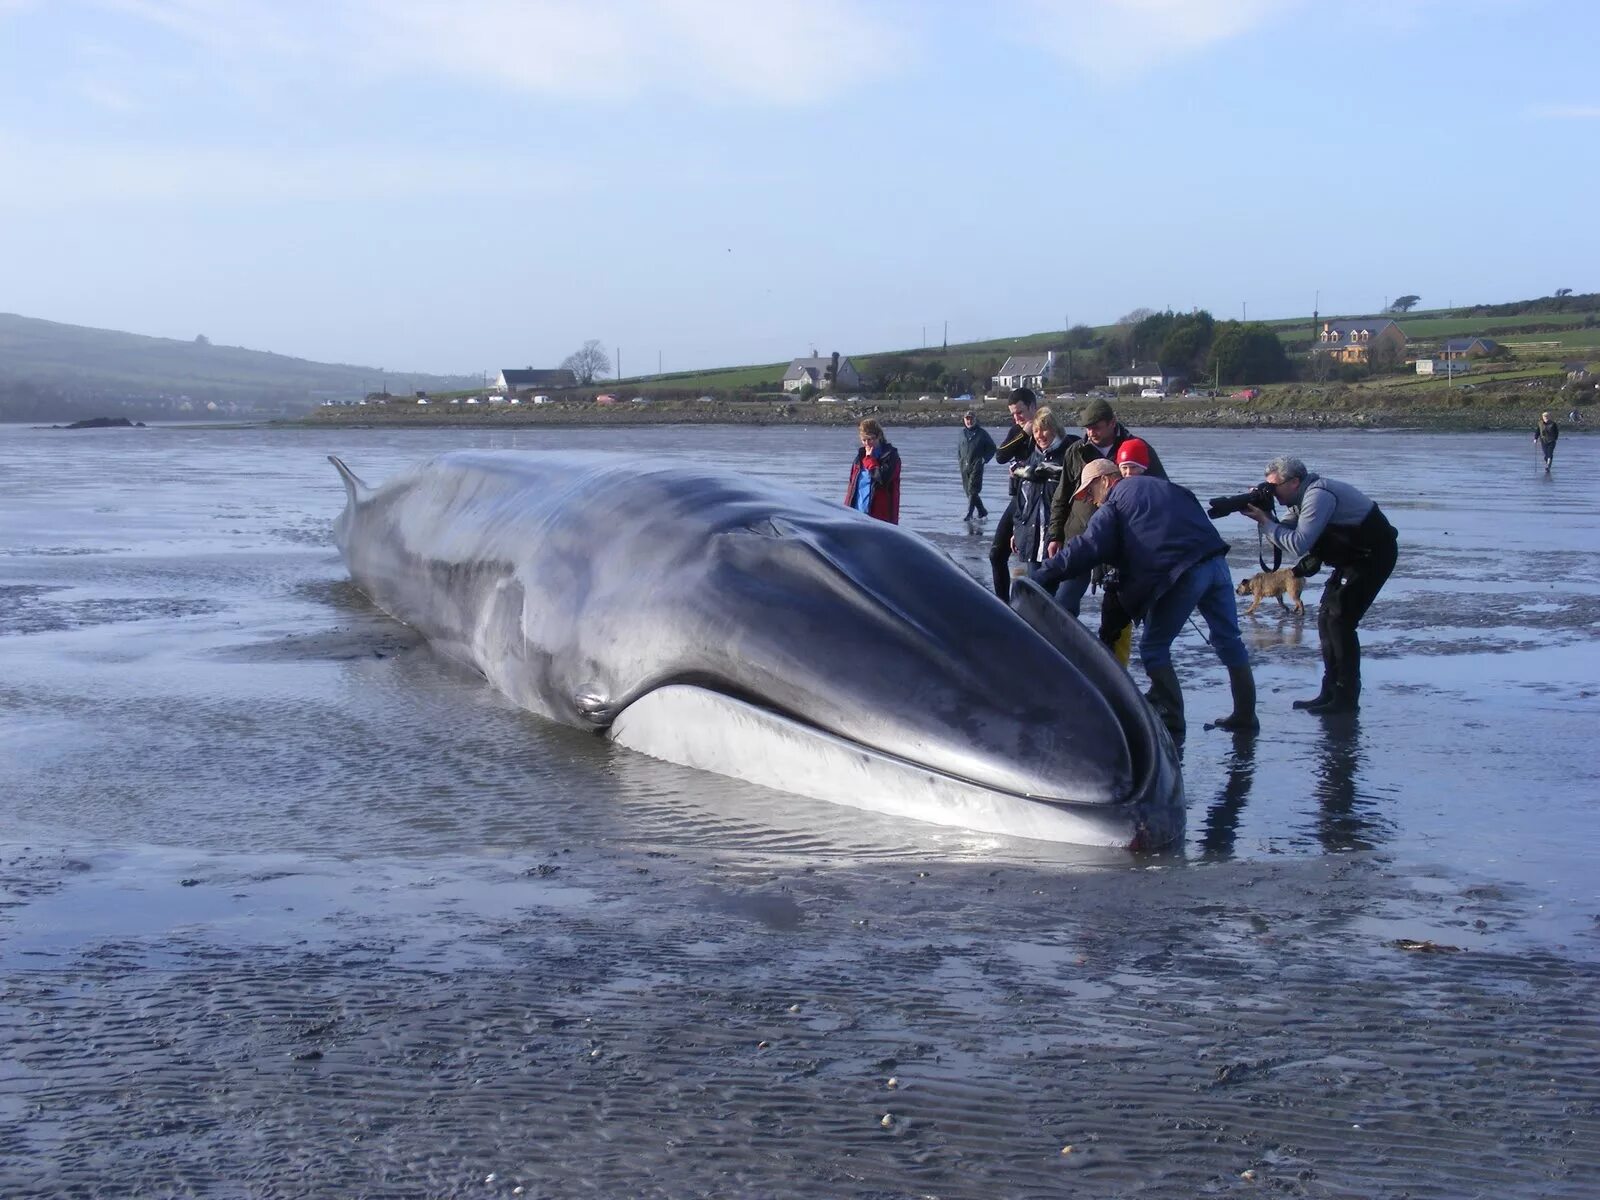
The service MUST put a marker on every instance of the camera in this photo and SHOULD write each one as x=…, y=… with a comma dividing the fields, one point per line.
x=1262, y=496
x=1040, y=471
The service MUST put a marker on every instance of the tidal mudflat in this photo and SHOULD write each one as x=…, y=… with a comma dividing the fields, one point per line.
x=292, y=907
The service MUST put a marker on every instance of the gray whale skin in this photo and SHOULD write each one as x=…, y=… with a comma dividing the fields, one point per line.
x=713, y=619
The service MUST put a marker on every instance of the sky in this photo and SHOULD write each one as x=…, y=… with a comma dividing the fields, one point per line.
x=464, y=185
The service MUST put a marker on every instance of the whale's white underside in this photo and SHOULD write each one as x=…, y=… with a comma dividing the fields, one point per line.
x=696, y=727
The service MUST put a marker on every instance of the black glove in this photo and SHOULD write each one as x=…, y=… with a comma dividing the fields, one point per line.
x=1307, y=567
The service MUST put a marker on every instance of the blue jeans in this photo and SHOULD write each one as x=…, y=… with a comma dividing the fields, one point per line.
x=1208, y=587
x=1070, y=593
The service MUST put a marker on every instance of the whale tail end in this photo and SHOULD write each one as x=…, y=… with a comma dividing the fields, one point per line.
x=352, y=482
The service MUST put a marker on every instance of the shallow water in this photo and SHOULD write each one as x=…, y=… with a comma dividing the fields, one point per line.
x=240, y=804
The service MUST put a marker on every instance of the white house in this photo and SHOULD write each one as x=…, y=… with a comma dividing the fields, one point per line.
x=814, y=371
x=1027, y=370
x=528, y=379
x=1140, y=375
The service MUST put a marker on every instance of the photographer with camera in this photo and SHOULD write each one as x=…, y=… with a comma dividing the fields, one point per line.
x=1037, y=480
x=1014, y=451
x=1172, y=562
x=1340, y=525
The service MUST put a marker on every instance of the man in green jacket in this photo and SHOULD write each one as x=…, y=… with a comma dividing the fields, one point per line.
x=1102, y=434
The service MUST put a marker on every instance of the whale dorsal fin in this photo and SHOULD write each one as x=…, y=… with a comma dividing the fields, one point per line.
x=352, y=482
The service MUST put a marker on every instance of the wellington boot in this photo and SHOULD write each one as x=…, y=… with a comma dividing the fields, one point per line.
x=1346, y=698
x=1323, y=697
x=1243, y=717
x=1166, y=697
x=1122, y=648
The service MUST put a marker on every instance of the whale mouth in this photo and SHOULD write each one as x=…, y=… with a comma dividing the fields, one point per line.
x=713, y=731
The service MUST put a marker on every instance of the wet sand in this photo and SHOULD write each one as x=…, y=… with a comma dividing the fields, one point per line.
x=638, y=1024
x=290, y=907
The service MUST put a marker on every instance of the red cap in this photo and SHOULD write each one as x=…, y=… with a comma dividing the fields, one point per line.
x=1133, y=450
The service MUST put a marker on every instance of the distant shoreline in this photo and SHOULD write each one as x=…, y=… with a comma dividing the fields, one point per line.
x=1490, y=414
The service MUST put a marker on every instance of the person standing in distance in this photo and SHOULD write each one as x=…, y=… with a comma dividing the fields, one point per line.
x=874, y=486
x=1546, y=434
x=1017, y=448
x=1342, y=526
x=974, y=448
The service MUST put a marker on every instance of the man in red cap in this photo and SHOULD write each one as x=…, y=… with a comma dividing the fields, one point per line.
x=1172, y=561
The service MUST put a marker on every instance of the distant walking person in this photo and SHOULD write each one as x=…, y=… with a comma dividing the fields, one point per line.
x=875, y=476
x=974, y=449
x=1546, y=434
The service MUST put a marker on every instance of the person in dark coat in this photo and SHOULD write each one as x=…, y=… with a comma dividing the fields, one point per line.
x=1015, y=450
x=1546, y=434
x=1102, y=435
x=1037, y=481
x=874, y=486
x=974, y=448
x=1172, y=562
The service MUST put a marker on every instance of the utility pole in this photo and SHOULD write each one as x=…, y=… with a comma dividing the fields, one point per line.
x=947, y=335
x=619, y=364
x=658, y=362
x=1244, y=310
x=924, y=337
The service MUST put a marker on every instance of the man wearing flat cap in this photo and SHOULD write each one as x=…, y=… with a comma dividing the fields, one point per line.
x=1173, y=561
x=1103, y=437
x=974, y=448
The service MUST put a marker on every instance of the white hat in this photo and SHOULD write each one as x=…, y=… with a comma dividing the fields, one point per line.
x=1099, y=468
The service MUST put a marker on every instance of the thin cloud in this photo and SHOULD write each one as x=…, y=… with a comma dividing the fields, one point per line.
x=1113, y=38
x=1566, y=112
x=586, y=49
x=58, y=175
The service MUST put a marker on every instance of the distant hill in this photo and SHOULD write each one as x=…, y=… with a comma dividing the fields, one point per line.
x=49, y=370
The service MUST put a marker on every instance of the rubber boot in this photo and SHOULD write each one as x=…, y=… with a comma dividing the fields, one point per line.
x=1243, y=717
x=1122, y=648
x=1322, y=698
x=1167, y=699
x=1346, y=697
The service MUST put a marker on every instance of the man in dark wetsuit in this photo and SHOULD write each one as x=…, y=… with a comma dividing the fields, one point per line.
x=1017, y=448
x=1340, y=525
x=1546, y=434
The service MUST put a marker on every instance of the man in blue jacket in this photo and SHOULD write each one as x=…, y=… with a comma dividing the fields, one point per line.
x=1172, y=561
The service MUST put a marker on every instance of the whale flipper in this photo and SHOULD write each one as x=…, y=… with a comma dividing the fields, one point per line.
x=353, y=484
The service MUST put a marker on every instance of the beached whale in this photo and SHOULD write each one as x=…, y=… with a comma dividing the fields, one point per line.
x=710, y=618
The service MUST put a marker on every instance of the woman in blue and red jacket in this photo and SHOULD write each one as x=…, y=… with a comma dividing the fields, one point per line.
x=875, y=476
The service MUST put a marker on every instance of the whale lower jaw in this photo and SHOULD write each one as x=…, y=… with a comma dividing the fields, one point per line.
x=697, y=727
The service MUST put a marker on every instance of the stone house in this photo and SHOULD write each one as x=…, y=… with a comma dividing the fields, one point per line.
x=1364, y=340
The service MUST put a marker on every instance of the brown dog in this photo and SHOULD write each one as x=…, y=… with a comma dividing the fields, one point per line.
x=1272, y=583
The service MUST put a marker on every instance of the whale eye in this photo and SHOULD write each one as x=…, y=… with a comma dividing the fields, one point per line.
x=592, y=706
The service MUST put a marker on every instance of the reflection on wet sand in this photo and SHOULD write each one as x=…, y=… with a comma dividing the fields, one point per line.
x=1263, y=634
x=1221, y=825
x=1346, y=819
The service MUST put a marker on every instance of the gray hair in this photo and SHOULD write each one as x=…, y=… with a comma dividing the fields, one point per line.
x=1286, y=468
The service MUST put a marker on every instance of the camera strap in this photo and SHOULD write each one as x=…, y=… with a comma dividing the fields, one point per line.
x=1261, y=551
